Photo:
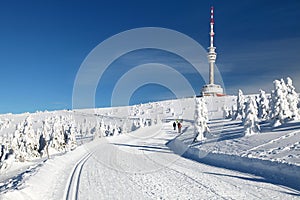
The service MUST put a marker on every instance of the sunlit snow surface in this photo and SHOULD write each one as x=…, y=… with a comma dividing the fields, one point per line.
x=141, y=165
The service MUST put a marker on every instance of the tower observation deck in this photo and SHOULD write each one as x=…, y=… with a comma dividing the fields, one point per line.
x=212, y=89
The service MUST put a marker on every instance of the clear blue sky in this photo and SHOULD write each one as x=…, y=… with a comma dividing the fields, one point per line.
x=43, y=43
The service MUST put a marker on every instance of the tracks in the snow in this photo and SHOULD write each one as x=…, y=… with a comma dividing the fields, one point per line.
x=72, y=187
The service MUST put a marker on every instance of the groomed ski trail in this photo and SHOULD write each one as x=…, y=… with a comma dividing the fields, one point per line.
x=140, y=166
x=71, y=191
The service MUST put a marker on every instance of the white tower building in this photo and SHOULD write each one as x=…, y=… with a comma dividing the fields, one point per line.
x=212, y=89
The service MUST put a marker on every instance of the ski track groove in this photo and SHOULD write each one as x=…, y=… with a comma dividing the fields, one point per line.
x=117, y=172
x=120, y=168
x=69, y=194
x=158, y=183
x=274, y=140
x=280, y=153
x=167, y=174
x=185, y=175
x=209, y=187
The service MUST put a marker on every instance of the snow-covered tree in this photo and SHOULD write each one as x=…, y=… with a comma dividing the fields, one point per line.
x=70, y=136
x=227, y=112
x=42, y=142
x=250, y=121
x=5, y=151
x=102, y=128
x=280, y=106
x=240, y=106
x=125, y=125
x=4, y=124
x=32, y=140
x=135, y=124
x=263, y=105
x=201, y=119
x=57, y=141
x=293, y=99
x=59, y=133
x=25, y=143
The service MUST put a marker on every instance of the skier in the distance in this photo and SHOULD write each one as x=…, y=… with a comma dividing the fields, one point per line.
x=174, y=126
x=179, y=127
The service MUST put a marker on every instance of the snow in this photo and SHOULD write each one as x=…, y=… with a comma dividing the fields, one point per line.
x=267, y=155
x=126, y=168
x=46, y=180
x=134, y=153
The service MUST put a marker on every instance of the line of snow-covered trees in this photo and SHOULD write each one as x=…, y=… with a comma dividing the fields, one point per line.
x=278, y=108
x=55, y=133
x=26, y=143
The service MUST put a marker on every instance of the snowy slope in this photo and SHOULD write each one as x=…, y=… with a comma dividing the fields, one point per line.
x=141, y=167
x=136, y=163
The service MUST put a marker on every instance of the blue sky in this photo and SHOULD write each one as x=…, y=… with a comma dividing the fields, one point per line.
x=43, y=43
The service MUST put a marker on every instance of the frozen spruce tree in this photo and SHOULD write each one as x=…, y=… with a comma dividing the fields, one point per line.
x=5, y=152
x=280, y=107
x=201, y=119
x=24, y=143
x=31, y=138
x=250, y=121
x=285, y=91
x=48, y=135
x=240, y=106
x=70, y=132
x=263, y=105
x=292, y=99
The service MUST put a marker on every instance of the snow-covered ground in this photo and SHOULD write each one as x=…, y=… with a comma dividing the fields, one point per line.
x=282, y=144
x=139, y=167
x=139, y=161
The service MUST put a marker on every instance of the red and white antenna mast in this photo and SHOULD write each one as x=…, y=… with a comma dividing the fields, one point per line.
x=212, y=26
x=212, y=89
x=212, y=56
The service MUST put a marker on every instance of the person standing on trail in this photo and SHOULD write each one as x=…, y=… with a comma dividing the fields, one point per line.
x=179, y=127
x=174, y=126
